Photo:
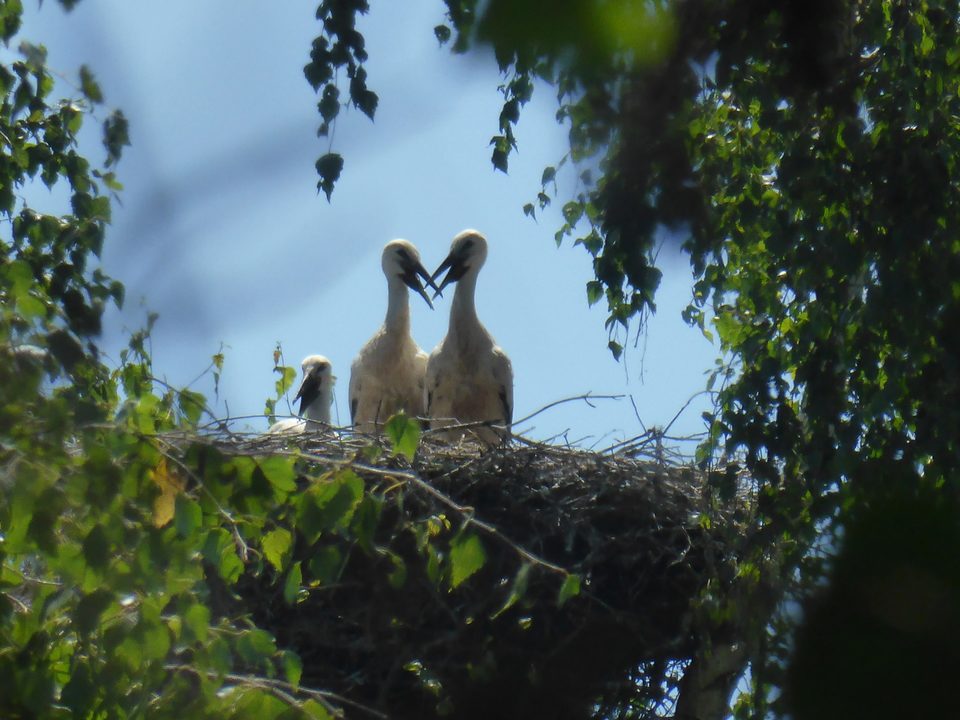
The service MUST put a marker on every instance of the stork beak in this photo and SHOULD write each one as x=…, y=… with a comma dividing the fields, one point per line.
x=308, y=391
x=412, y=272
x=457, y=266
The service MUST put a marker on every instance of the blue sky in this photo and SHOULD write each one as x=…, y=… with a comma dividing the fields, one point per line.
x=221, y=230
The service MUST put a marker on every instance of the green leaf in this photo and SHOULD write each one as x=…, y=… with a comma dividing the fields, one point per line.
x=219, y=550
x=197, y=621
x=187, y=516
x=365, y=520
x=191, y=406
x=315, y=711
x=279, y=472
x=288, y=376
x=18, y=276
x=96, y=548
x=256, y=646
x=325, y=565
x=87, y=614
x=467, y=556
x=594, y=292
x=517, y=589
x=433, y=564
x=572, y=212
x=259, y=704
x=291, y=585
x=115, y=136
x=442, y=34
x=80, y=692
x=363, y=98
x=570, y=588
x=292, y=667
x=155, y=640
x=329, y=168
x=276, y=546
x=501, y=152
x=404, y=435
x=329, y=504
x=398, y=575
x=329, y=105
x=89, y=87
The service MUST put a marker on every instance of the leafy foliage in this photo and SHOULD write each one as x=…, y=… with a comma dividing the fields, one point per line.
x=804, y=154
x=339, y=46
x=123, y=555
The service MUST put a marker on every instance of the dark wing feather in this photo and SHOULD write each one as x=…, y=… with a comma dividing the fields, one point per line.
x=507, y=408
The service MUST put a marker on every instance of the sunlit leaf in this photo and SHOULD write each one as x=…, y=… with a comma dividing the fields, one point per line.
x=570, y=588
x=197, y=620
x=467, y=556
x=276, y=546
x=291, y=584
x=256, y=646
x=518, y=589
x=88, y=85
x=280, y=472
x=404, y=435
x=292, y=667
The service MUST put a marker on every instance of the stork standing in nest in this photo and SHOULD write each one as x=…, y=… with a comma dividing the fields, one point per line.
x=388, y=373
x=315, y=395
x=469, y=378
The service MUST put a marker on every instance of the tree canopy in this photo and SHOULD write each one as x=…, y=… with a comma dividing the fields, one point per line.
x=803, y=154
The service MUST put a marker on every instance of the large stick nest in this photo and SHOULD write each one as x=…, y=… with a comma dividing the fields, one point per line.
x=630, y=528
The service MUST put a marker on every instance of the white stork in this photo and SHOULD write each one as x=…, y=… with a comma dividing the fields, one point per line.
x=469, y=378
x=387, y=374
x=315, y=395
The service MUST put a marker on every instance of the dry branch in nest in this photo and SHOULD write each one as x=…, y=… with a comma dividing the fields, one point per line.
x=513, y=640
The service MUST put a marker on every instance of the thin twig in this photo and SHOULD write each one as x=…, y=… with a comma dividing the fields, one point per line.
x=288, y=690
x=586, y=397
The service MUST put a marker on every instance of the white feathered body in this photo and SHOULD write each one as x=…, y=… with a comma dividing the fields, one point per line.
x=386, y=377
x=470, y=379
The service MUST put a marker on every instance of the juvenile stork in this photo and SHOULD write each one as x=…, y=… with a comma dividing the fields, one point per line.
x=315, y=395
x=469, y=378
x=387, y=374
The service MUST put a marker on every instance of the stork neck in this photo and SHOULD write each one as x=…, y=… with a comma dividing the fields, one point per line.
x=398, y=307
x=463, y=314
x=319, y=409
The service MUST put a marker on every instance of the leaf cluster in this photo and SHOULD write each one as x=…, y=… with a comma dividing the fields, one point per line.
x=339, y=46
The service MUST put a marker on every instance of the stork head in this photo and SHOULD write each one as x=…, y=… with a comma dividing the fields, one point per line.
x=468, y=252
x=317, y=381
x=401, y=260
